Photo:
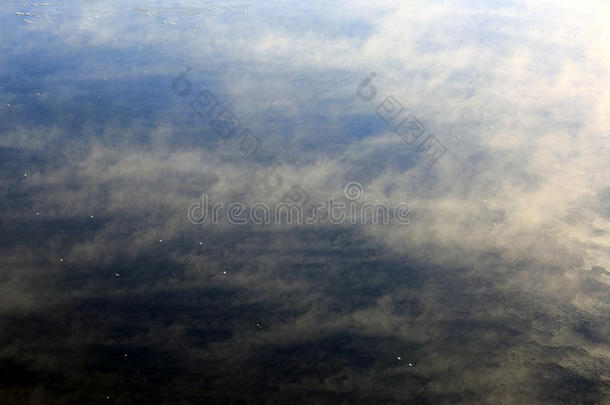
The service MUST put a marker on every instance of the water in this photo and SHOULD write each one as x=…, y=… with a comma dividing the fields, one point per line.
x=484, y=123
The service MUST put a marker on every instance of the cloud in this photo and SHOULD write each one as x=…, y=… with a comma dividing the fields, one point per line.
x=496, y=290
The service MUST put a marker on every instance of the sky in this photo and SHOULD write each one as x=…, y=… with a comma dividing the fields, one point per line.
x=489, y=121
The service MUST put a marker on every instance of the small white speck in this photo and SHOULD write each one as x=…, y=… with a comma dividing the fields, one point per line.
x=25, y=175
x=224, y=272
x=398, y=358
x=411, y=364
x=37, y=213
x=117, y=275
x=125, y=355
x=200, y=243
x=91, y=216
x=160, y=240
x=61, y=259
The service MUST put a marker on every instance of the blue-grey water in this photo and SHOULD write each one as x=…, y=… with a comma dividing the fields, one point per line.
x=476, y=134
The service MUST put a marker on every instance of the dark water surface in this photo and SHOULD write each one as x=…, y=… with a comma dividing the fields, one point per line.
x=489, y=123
